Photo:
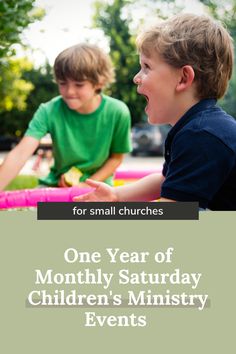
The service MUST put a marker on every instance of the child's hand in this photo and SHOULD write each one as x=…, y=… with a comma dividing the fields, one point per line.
x=83, y=185
x=62, y=183
x=101, y=193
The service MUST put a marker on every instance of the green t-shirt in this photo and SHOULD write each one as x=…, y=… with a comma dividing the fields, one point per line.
x=82, y=140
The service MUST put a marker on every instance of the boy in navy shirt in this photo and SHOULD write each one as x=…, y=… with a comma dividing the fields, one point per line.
x=186, y=63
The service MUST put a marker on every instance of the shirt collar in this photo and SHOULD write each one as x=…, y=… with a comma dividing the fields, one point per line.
x=191, y=114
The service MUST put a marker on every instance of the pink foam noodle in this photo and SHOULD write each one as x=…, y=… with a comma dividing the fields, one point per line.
x=134, y=174
x=30, y=197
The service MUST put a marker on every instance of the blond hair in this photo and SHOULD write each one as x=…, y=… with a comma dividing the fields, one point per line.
x=199, y=41
x=84, y=62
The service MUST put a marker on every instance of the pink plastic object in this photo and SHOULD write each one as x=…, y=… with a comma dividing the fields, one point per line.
x=134, y=174
x=30, y=197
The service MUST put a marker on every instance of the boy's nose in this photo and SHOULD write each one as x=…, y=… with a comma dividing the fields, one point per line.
x=137, y=79
x=70, y=89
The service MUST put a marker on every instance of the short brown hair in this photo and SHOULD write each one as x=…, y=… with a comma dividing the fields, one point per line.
x=199, y=41
x=84, y=62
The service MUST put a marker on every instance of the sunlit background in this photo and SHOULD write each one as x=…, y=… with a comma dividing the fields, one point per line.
x=67, y=22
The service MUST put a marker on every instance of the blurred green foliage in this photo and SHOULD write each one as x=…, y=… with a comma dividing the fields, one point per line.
x=15, y=16
x=109, y=17
x=14, y=89
x=15, y=122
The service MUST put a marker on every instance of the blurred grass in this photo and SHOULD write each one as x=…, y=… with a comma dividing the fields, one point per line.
x=23, y=182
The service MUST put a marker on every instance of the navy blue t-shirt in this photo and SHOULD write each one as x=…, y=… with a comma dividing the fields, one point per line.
x=200, y=158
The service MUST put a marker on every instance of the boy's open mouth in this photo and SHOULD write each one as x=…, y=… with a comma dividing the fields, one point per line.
x=142, y=94
x=145, y=96
x=147, y=100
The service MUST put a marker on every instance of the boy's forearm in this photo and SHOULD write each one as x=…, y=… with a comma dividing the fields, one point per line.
x=9, y=169
x=108, y=168
x=15, y=160
x=145, y=189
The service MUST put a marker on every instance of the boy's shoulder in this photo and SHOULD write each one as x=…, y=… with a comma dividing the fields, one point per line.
x=213, y=121
x=115, y=104
x=54, y=105
x=55, y=101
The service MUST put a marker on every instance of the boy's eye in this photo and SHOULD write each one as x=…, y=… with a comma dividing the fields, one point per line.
x=79, y=84
x=146, y=66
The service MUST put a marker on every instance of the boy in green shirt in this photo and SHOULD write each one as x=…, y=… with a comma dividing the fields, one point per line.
x=89, y=130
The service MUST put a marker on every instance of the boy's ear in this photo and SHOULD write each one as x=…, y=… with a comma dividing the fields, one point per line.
x=98, y=87
x=186, y=78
